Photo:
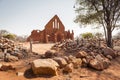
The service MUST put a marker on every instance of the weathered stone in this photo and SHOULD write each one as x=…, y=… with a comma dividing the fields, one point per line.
x=9, y=47
x=88, y=58
x=99, y=63
x=6, y=67
x=52, y=32
x=44, y=67
x=77, y=63
x=1, y=55
x=117, y=48
x=118, y=53
x=49, y=54
x=109, y=51
x=81, y=54
x=20, y=73
x=109, y=57
x=10, y=58
x=68, y=68
x=84, y=62
x=71, y=58
x=19, y=55
x=61, y=61
x=0, y=65
x=67, y=59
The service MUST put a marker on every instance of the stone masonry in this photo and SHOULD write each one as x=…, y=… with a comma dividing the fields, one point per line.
x=54, y=32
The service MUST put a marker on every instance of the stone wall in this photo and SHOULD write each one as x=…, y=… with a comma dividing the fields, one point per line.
x=54, y=32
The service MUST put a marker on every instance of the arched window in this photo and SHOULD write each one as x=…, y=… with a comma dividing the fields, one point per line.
x=58, y=25
x=53, y=25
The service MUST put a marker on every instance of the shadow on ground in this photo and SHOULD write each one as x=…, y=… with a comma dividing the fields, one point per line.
x=29, y=74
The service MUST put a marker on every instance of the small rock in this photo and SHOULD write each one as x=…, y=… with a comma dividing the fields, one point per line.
x=109, y=57
x=68, y=68
x=1, y=65
x=84, y=62
x=109, y=51
x=6, y=67
x=49, y=53
x=71, y=58
x=10, y=58
x=66, y=58
x=20, y=73
x=61, y=61
x=117, y=48
x=77, y=63
x=81, y=54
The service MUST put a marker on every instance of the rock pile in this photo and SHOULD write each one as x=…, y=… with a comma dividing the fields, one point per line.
x=51, y=66
x=9, y=51
x=91, y=54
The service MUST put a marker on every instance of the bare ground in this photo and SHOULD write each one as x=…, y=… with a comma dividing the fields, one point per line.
x=39, y=48
x=112, y=73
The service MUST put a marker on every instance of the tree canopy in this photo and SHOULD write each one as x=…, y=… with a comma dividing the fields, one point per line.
x=104, y=12
x=87, y=35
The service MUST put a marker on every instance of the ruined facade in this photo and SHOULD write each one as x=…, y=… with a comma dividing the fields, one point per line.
x=54, y=32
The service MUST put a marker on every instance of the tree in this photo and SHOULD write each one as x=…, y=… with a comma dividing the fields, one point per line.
x=104, y=12
x=87, y=35
x=10, y=36
x=3, y=32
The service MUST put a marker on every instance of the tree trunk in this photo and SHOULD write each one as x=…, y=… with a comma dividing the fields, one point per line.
x=109, y=38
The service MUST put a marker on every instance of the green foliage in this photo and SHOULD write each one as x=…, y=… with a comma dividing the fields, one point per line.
x=3, y=32
x=87, y=35
x=10, y=36
x=105, y=13
x=86, y=12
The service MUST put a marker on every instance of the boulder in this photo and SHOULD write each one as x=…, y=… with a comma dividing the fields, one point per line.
x=49, y=53
x=68, y=68
x=77, y=62
x=81, y=54
x=1, y=55
x=19, y=55
x=6, y=67
x=109, y=57
x=71, y=58
x=10, y=58
x=84, y=62
x=61, y=61
x=117, y=48
x=66, y=58
x=44, y=67
x=109, y=51
x=99, y=63
x=89, y=58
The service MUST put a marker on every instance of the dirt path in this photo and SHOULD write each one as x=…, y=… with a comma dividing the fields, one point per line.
x=39, y=48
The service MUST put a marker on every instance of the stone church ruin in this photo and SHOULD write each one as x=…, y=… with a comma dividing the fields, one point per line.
x=54, y=32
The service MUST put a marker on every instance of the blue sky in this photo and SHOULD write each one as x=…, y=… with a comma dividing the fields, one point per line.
x=22, y=16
